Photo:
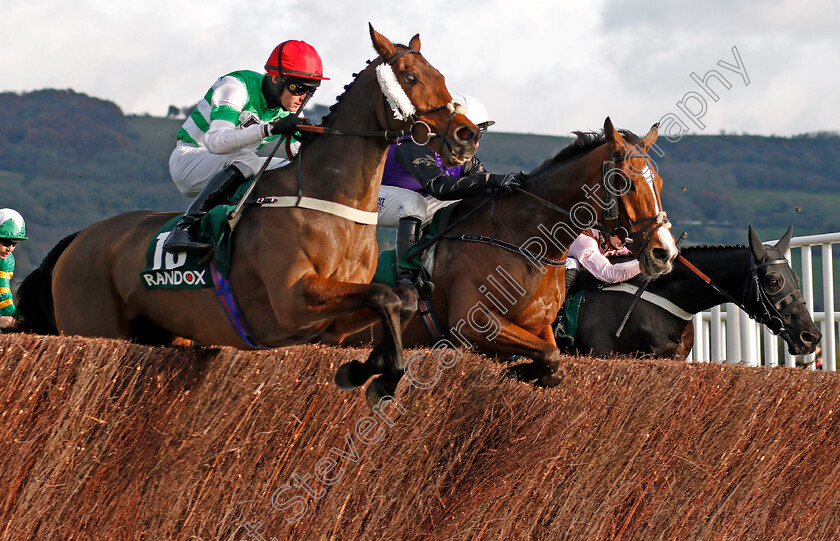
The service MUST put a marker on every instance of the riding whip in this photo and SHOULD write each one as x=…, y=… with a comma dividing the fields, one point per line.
x=639, y=293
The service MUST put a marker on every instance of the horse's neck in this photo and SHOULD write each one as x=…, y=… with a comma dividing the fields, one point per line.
x=728, y=268
x=344, y=169
x=569, y=186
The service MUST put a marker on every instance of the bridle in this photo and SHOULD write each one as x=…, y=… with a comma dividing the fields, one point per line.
x=390, y=136
x=614, y=204
x=414, y=118
x=774, y=307
x=391, y=110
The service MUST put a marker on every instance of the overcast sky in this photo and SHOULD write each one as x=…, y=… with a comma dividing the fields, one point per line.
x=544, y=66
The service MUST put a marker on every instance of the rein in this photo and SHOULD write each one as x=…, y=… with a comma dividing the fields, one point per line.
x=655, y=222
x=509, y=247
x=388, y=135
x=640, y=292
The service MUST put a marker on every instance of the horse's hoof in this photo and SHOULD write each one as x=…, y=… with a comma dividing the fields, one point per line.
x=550, y=380
x=523, y=373
x=381, y=387
x=564, y=342
x=351, y=375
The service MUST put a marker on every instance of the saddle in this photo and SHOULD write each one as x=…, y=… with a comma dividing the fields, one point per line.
x=419, y=256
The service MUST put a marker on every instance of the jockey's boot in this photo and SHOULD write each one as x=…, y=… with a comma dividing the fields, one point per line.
x=408, y=229
x=562, y=339
x=571, y=276
x=185, y=235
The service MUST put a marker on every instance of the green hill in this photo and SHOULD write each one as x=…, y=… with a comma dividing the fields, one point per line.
x=68, y=160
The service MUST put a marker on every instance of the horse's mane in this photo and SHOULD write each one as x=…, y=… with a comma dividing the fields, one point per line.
x=584, y=142
x=326, y=118
x=698, y=247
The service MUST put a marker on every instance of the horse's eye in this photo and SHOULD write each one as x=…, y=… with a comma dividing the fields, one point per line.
x=409, y=78
x=774, y=282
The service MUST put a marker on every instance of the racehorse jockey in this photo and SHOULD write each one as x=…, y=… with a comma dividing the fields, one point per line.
x=12, y=231
x=592, y=252
x=415, y=185
x=216, y=148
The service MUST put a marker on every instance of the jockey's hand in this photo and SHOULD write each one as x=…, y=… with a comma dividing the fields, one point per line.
x=287, y=125
x=508, y=182
x=8, y=322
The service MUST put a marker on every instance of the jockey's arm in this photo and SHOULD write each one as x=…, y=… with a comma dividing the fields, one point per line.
x=225, y=135
x=585, y=250
x=223, y=138
x=421, y=163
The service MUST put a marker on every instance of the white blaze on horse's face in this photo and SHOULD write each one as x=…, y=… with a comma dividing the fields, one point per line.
x=661, y=264
x=650, y=181
x=665, y=237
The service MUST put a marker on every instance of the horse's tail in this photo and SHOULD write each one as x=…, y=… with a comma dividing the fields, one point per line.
x=35, y=300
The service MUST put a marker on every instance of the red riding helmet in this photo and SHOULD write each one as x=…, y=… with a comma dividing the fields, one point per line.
x=296, y=59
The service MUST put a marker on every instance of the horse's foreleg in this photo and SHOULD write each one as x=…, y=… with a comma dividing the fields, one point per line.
x=686, y=342
x=503, y=337
x=356, y=322
x=326, y=297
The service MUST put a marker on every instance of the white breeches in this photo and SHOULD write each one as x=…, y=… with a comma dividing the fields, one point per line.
x=397, y=203
x=192, y=167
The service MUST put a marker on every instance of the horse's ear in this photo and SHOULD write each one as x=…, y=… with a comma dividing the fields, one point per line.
x=756, y=245
x=613, y=137
x=381, y=44
x=784, y=242
x=415, y=42
x=650, y=138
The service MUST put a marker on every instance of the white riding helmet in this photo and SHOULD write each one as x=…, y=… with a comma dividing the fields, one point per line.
x=475, y=111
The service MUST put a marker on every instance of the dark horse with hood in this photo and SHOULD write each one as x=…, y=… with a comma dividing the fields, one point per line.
x=757, y=278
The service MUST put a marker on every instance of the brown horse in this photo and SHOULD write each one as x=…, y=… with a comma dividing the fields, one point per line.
x=296, y=272
x=495, y=287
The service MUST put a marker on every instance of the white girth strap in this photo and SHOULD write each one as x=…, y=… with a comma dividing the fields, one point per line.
x=330, y=207
x=652, y=298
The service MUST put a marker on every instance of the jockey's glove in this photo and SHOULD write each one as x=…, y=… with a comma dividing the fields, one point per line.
x=286, y=125
x=508, y=182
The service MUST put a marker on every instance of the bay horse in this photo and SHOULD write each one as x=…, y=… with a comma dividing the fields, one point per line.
x=295, y=272
x=497, y=271
x=756, y=277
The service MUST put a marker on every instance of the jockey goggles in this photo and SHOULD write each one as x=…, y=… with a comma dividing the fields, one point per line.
x=482, y=128
x=9, y=243
x=298, y=88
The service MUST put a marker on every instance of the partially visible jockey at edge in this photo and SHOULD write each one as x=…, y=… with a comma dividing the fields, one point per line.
x=415, y=184
x=217, y=145
x=12, y=232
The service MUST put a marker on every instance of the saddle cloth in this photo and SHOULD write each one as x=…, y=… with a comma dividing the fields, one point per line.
x=182, y=270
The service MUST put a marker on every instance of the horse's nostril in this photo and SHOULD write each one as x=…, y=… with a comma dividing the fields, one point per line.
x=464, y=133
x=659, y=254
x=809, y=338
